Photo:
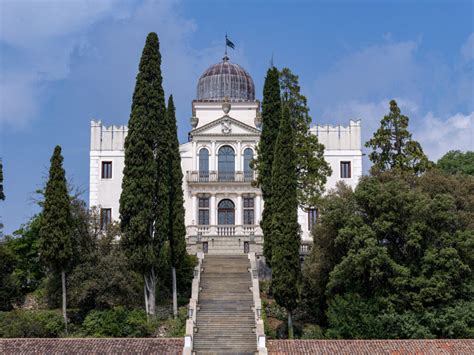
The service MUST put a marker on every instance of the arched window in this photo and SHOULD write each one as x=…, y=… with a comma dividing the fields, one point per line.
x=248, y=157
x=226, y=164
x=226, y=212
x=203, y=165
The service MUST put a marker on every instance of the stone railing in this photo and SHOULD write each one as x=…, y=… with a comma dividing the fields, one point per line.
x=192, y=309
x=195, y=176
x=223, y=230
x=259, y=327
x=305, y=247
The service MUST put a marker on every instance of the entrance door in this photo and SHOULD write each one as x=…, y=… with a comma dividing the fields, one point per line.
x=226, y=212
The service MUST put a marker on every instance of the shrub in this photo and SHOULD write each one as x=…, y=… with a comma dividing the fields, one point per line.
x=177, y=327
x=25, y=324
x=117, y=322
x=312, y=331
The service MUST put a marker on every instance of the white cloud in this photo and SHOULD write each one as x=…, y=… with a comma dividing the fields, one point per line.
x=437, y=136
x=467, y=50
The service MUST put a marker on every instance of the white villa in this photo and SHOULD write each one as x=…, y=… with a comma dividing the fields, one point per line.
x=223, y=209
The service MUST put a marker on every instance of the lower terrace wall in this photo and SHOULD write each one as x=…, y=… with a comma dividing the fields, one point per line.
x=282, y=347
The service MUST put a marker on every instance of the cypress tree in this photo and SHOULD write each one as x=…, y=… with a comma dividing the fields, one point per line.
x=2, y=194
x=56, y=246
x=177, y=231
x=141, y=201
x=271, y=116
x=284, y=226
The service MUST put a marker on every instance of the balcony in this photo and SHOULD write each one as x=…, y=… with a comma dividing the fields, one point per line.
x=212, y=177
x=224, y=230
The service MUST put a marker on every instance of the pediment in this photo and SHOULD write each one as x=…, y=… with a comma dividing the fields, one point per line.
x=225, y=125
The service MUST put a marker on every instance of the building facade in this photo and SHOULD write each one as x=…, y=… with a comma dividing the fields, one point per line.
x=223, y=208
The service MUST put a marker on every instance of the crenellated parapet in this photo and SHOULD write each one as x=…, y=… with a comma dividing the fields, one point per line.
x=339, y=137
x=106, y=138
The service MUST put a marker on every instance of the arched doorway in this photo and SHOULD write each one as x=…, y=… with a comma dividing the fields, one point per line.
x=226, y=212
x=226, y=164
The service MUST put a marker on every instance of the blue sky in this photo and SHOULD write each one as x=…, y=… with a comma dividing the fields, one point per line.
x=63, y=63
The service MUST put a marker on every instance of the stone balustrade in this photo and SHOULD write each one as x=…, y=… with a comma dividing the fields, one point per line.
x=192, y=308
x=214, y=176
x=224, y=230
x=259, y=326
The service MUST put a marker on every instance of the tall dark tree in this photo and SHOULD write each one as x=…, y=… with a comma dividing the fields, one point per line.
x=284, y=227
x=271, y=116
x=311, y=168
x=56, y=245
x=144, y=198
x=2, y=194
x=177, y=231
x=393, y=147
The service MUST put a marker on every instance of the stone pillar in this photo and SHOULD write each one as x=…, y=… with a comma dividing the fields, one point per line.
x=194, y=210
x=194, y=154
x=212, y=210
x=213, y=157
x=238, y=157
x=238, y=211
x=258, y=209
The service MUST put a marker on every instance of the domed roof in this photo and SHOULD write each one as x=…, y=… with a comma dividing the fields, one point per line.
x=226, y=79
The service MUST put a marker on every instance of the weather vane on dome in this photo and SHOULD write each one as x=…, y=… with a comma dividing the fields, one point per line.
x=228, y=43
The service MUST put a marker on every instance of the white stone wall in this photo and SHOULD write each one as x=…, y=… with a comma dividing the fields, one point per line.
x=342, y=143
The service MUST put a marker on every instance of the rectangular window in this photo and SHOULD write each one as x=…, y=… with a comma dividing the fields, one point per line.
x=105, y=217
x=106, y=170
x=312, y=218
x=345, y=169
x=203, y=212
x=249, y=216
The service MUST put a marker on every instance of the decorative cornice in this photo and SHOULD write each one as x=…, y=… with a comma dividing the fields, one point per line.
x=225, y=119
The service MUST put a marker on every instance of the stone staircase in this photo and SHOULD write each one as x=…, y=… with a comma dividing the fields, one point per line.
x=225, y=320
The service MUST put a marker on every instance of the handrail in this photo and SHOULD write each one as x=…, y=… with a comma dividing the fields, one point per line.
x=259, y=326
x=214, y=176
x=192, y=309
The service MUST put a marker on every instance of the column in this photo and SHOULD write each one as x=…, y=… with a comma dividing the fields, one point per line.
x=238, y=157
x=213, y=157
x=212, y=210
x=194, y=210
x=194, y=155
x=258, y=209
x=238, y=211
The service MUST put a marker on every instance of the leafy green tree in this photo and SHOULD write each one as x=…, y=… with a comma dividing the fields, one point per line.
x=271, y=117
x=393, y=147
x=177, y=232
x=2, y=194
x=144, y=202
x=285, y=228
x=311, y=168
x=457, y=162
x=56, y=245
x=401, y=257
x=8, y=289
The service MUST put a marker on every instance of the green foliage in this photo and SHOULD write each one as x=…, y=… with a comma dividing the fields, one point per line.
x=31, y=324
x=457, y=162
x=117, y=322
x=271, y=117
x=285, y=227
x=394, y=258
x=104, y=279
x=56, y=247
x=312, y=169
x=312, y=331
x=8, y=289
x=177, y=231
x=392, y=145
x=2, y=193
x=177, y=326
x=138, y=199
x=25, y=245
